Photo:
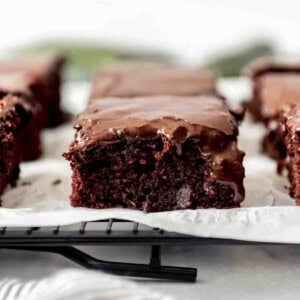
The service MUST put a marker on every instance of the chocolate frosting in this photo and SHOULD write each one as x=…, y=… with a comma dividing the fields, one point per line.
x=37, y=65
x=264, y=65
x=19, y=82
x=177, y=117
x=277, y=91
x=137, y=80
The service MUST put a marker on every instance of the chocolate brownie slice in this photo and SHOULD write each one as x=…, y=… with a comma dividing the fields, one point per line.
x=25, y=85
x=161, y=154
x=291, y=129
x=276, y=85
x=15, y=117
x=47, y=71
x=149, y=79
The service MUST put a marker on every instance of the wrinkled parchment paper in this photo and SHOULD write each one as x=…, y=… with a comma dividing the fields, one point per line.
x=41, y=197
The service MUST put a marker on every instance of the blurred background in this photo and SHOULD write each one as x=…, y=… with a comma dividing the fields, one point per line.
x=224, y=35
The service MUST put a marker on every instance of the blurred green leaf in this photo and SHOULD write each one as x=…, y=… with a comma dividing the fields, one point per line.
x=231, y=64
x=84, y=57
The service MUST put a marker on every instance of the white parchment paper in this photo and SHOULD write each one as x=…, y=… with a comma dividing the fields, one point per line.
x=41, y=197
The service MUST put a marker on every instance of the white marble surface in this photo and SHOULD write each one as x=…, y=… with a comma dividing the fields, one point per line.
x=224, y=272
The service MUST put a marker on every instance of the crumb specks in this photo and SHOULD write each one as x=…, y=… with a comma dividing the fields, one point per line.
x=56, y=182
x=183, y=197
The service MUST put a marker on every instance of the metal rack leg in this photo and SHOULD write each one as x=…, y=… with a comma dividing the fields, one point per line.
x=155, y=259
x=152, y=270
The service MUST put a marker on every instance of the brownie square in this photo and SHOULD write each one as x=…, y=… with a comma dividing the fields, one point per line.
x=157, y=154
x=276, y=86
x=47, y=71
x=15, y=117
x=25, y=85
x=149, y=79
x=290, y=123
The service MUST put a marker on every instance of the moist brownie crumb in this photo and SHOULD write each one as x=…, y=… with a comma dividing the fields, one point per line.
x=15, y=116
x=290, y=122
x=157, y=154
x=24, y=84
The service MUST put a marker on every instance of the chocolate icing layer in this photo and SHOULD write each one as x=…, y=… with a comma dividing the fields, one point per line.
x=18, y=83
x=136, y=80
x=278, y=90
x=177, y=117
x=264, y=65
x=38, y=66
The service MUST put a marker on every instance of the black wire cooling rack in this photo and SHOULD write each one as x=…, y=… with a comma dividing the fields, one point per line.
x=63, y=239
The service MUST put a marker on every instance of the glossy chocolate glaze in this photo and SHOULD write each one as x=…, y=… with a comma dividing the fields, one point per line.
x=178, y=117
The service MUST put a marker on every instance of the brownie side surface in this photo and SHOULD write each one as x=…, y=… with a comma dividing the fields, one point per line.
x=156, y=164
x=25, y=85
x=15, y=115
x=141, y=79
x=291, y=129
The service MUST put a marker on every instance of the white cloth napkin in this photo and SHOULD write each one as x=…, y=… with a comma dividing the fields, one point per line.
x=76, y=284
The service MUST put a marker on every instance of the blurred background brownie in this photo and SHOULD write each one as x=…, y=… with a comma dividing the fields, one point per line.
x=47, y=71
x=26, y=85
x=150, y=79
x=15, y=117
x=291, y=129
x=276, y=86
x=165, y=154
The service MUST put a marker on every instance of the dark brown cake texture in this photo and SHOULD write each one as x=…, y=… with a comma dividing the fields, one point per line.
x=276, y=86
x=150, y=79
x=161, y=154
x=47, y=71
x=290, y=122
x=24, y=84
x=15, y=117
